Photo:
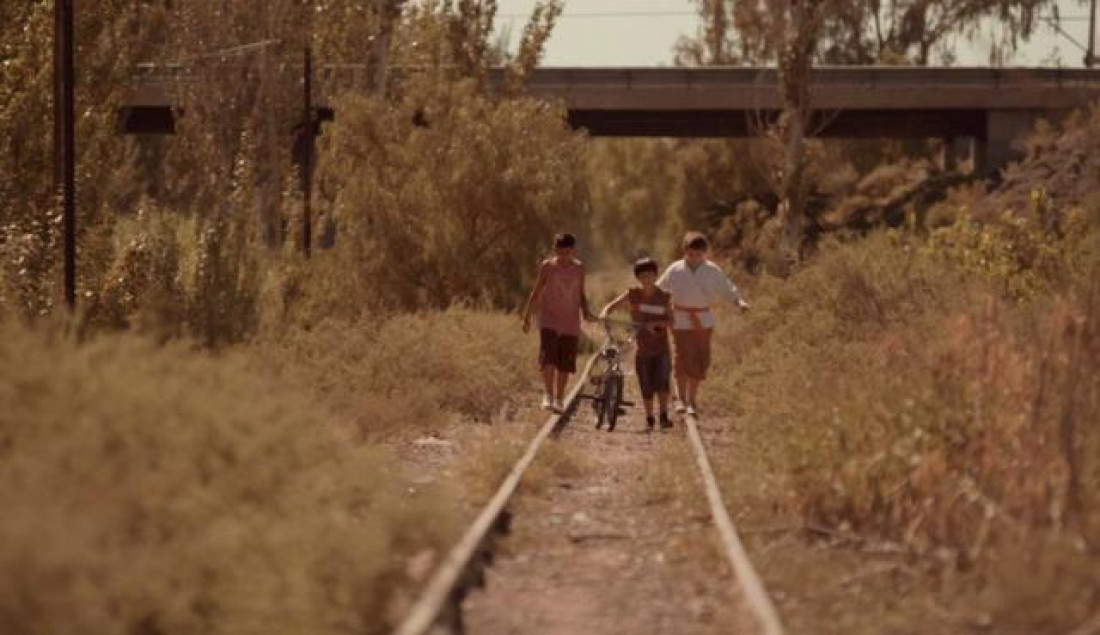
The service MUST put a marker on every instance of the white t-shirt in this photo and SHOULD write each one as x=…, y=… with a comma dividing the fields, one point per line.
x=697, y=289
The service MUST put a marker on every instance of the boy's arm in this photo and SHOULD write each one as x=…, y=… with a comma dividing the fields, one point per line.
x=585, y=310
x=536, y=294
x=614, y=304
x=730, y=292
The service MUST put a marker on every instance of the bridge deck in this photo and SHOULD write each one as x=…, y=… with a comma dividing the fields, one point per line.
x=991, y=105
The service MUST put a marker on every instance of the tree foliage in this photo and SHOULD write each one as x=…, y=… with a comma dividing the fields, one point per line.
x=228, y=180
x=915, y=32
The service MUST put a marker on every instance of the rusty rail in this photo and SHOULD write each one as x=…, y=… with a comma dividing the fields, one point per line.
x=744, y=573
x=439, y=603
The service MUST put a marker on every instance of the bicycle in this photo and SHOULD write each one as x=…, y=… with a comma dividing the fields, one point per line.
x=607, y=400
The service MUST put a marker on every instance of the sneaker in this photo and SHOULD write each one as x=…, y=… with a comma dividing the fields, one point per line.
x=680, y=408
x=546, y=404
x=558, y=407
x=692, y=412
x=666, y=423
x=649, y=423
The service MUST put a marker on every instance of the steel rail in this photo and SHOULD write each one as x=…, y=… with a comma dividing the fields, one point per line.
x=447, y=581
x=744, y=573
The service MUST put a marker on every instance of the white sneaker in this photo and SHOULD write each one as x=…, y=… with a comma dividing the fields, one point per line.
x=691, y=411
x=558, y=407
x=680, y=408
x=546, y=403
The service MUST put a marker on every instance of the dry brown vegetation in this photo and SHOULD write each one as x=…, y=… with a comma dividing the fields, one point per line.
x=221, y=469
x=156, y=487
x=936, y=390
x=158, y=490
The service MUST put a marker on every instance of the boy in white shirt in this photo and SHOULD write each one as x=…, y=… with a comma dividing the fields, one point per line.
x=695, y=284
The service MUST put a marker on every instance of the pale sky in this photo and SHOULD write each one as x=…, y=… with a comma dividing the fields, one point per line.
x=597, y=33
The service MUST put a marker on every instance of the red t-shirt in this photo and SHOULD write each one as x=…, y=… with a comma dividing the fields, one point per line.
x=560, y=304
x=652, y=308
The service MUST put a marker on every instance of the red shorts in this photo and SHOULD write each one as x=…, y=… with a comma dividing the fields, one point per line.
x=558, y=350
x=692, y=353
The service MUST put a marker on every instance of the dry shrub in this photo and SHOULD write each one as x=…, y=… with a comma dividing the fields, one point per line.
x=199, y=277
x=150, y=489
x=1059, y=158
x=460, y=208
x=906, y=398
x=409, y=371
x=488, y=457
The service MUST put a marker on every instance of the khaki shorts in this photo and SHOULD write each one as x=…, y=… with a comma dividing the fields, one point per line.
x=692, y=353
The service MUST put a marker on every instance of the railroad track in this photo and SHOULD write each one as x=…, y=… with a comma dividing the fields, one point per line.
x=439, y=607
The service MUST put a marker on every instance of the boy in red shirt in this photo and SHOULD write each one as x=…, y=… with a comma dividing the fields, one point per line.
x=651, y=311
x=559, y=294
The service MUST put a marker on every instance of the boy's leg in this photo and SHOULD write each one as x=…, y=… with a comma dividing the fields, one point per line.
x=661, y=386
x=563, y=379
x=680, y=338
x=691, y=390
x=662, y=401
x=566, y=363
x=643, y=369
x=548, y=381
x=700, y=367
x=548, y=373
x=548, y=344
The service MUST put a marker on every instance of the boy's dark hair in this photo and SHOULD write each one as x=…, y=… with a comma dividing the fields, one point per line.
x=563, y=240
x=643, y=265
x=695, y=240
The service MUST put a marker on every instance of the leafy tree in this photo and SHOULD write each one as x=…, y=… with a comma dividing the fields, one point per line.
x=797, y=34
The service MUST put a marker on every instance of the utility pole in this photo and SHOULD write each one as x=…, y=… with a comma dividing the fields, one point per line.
x=388, y=13
x=307, y=152
x=1090, y=54
x=64, y=141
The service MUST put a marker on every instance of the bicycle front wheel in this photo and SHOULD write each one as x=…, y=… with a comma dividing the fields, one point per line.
x=612, y=399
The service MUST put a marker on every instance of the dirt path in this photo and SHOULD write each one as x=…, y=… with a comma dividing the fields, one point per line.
x=623, y=546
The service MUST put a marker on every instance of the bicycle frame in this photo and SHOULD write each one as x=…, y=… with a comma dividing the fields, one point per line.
x=607, y=400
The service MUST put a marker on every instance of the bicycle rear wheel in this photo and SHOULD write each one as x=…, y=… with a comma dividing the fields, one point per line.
x=598, y=404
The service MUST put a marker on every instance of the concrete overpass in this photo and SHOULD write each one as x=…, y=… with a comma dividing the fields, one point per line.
x=990, y=107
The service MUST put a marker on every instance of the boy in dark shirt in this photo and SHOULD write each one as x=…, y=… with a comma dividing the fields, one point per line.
x=651, y=310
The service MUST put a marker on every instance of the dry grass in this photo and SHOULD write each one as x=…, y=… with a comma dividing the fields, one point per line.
x=411, y=373
x=490, y=452
x=671, y=478
x=155, y=490
x=910, y=394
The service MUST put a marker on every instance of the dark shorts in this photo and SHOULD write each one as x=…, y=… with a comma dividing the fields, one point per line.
x=692, y=353
x=652, y=374
x=558, y=350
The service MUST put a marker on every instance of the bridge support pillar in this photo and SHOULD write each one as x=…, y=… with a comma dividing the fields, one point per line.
x=1002, y=131
x=956, y=150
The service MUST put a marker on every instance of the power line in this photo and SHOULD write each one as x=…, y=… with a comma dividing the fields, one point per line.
x=609, y=14
x=650, y=14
